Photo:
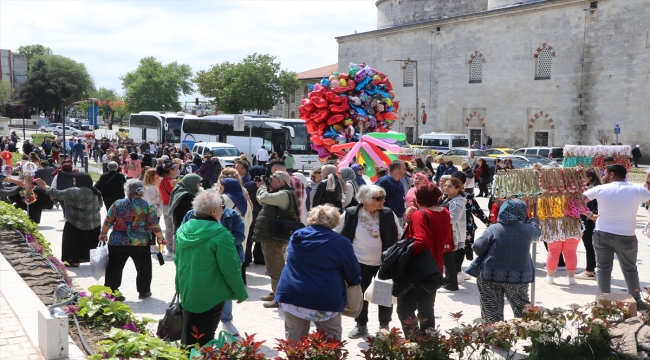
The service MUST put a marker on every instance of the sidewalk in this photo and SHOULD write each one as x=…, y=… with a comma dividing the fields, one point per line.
x=14, y=343
x=250, y=317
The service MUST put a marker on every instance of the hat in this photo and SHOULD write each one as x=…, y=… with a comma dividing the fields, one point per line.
x=637, y=145
x=283, y=175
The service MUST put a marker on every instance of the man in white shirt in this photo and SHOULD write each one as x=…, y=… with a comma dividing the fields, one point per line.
x=618, y=203
x=262, y=156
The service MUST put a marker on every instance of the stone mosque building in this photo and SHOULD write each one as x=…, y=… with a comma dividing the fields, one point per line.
x=525, y=72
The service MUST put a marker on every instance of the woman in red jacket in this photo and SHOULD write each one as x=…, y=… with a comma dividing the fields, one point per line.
x=430, y=228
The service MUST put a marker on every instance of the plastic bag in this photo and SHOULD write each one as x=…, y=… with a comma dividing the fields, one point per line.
x=99, y=260
x=223, y=339
x=380, y=292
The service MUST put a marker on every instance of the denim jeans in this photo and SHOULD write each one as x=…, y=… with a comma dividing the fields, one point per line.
x=626, y=249
x=226, y=315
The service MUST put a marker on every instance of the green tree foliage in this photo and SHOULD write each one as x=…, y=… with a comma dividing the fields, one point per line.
x=33, y=50
x=55, y=79
x=153, y=85
x=105, y=95
x=6, y=90
x=257, y=83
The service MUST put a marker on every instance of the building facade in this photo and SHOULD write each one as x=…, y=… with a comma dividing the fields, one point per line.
x=306, y=77
x=525, y=72
x=14, y=70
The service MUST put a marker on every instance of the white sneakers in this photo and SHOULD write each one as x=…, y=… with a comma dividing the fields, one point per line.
x=464, y=275
x=548, y=280
x=460, y=279
x=572, y=280
x=230, y=327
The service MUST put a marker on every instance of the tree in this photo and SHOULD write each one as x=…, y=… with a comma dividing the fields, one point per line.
x=256, y=83
x=6, y=92
x=76, y=82
x=153, y=85
x=105, y=95
x=33, y=50
x=41, y=89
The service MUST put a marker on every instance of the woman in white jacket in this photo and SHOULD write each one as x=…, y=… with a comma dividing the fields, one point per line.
x=152, y=195
x=455, y=203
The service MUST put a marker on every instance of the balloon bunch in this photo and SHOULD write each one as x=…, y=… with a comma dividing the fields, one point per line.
x=26, y=171
x=368, y=152
x=345, y=104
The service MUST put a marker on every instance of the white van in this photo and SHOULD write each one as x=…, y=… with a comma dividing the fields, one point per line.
x=225, y=152
x=443, y=142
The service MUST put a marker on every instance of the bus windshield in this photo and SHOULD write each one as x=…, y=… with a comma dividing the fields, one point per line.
x=299, y=144
x=144, y=121
x=173, y=133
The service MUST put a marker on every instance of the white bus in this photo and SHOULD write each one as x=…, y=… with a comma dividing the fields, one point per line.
x=275, y=134
x=443, y=141
x=156, y=126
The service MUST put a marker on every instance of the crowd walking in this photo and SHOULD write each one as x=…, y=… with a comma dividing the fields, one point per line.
x=317, y=237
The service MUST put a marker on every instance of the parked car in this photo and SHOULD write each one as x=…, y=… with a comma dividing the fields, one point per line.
x=518, y=162
x=225, y=152
x=69, y=130
x=496, y=152
x=552, y=152
x=85, y=125
x=545, y=161
x=459, y=155
x=49, y=127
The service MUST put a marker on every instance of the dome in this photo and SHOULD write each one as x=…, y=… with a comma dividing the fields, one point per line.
x=396, y=12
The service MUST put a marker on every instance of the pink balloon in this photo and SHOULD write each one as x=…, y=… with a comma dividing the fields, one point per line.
x=390, y=147
x=346, y=160
x=372, y=154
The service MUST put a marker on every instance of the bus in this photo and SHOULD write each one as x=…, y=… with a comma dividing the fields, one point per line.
x=156, y=126
x=275, y=134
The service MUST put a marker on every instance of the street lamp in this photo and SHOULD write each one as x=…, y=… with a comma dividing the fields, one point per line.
x=406, y=62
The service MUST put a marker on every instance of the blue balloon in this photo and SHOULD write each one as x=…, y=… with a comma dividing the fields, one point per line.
x=383, y=93
x=325, y=82
x=362, y=84
x=311, y=87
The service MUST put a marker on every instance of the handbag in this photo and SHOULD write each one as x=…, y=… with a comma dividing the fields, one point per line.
x=354, y=302
x=99, y=260
x=282, y=229
x=170, y=327
x=380, y=292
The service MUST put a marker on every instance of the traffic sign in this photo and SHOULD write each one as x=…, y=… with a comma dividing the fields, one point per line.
x=617, y=129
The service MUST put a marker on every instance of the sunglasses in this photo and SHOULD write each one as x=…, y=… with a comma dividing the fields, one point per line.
x=380, y=198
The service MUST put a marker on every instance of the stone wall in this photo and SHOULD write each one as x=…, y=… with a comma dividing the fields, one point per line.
x=396, y=12
x=580, y=100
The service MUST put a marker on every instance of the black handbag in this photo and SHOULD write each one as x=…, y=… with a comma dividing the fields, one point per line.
x=282, y=229
x=170, y=327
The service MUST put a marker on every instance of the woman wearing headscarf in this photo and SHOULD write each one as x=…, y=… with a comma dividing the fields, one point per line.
x=133, y=219
x=315, y=176
x=180, y=200
x=350, y=178
x=234, y=198
x=503, y=257
x=63, y=182
x=358, y=171
x=253, y=250
x=82, y=227
x=133, y=166
x=331, y=189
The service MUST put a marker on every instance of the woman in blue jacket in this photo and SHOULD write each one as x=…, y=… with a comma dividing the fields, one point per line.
x=312, y=286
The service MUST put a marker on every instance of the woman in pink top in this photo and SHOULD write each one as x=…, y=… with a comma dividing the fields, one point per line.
x=133, y=166
x=418, y=179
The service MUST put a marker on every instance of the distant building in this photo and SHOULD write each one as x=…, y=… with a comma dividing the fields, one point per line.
x=525, y=72
x=306, y=77
x=13, y=69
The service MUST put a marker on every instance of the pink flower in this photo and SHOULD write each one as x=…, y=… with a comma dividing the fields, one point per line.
x=72, y=310
x=83, y=294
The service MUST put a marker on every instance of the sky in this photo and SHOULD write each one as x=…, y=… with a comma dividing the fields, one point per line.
x=110, y=37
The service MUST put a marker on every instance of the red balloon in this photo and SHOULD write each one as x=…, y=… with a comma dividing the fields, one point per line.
x=319, y=102
x=308, y=104
x=332, y=98
x=389, y=116
x=320, y=115
x=316, y=140
x=317, y=93
x=344, y=76
x=342, y=89
x=337, y=109
x=335, y=119
x=395, y=106
x=311, y=126
x=304, y=113
x=389, y=84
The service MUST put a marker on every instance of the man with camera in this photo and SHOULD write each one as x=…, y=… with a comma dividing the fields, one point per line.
x=278, y=200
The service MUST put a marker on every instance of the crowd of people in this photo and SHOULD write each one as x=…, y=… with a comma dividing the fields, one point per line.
x=218, y=220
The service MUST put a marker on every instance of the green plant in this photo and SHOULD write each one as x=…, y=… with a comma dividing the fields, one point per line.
x=126, y=344
x=39, y=138
x=315, y=346
x=100, y=310
x=245, y=349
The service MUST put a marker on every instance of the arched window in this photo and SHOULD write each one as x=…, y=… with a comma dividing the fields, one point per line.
x=293, y=115
x=293, y=97
x=305, y=92
x=544, y=60
x=476, y=70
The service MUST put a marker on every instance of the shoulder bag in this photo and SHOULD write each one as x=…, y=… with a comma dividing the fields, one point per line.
x=354, y=302
x=170, y=327
x=282, y=229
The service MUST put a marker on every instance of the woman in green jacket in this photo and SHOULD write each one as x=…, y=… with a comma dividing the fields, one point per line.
x=208, y=269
